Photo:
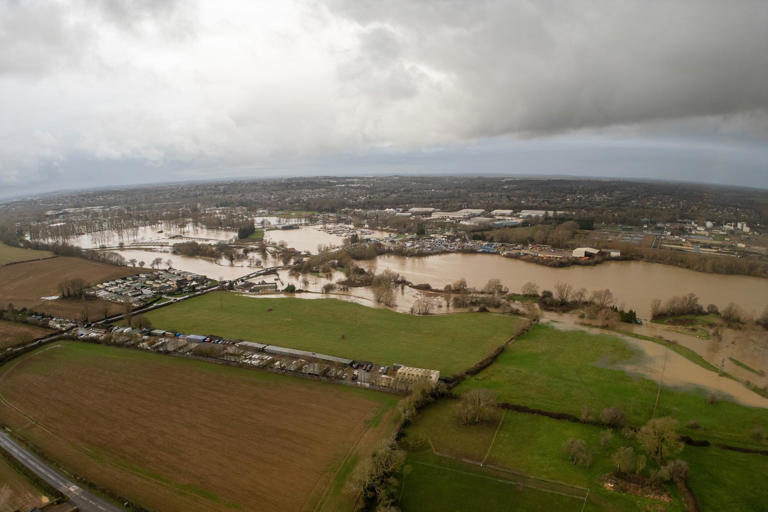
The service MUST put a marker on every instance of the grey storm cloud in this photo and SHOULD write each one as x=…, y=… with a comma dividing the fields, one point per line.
x=542, y=67
x=90, y=89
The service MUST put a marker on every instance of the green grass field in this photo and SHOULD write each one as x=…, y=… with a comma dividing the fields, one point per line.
x=435, y=484
x=449, y=343
x=10, y=254
x=720, y=479
x=256, y=235
x=528, y=445
x=565, y=370
x=726, y=480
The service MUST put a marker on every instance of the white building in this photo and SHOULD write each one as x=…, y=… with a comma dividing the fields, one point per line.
x=540, y=213
x=421, y=211
x=408, y=376
x=583, y=252
x=471, y=212
x=502, y=213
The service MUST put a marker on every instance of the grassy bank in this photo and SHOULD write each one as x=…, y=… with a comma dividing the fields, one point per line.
x=449, y=343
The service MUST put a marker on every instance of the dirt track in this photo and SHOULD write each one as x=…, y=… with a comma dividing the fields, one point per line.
x=174, y=434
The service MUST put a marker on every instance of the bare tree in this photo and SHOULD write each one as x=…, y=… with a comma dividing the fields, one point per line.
x=72, y=288
x=580, y=295
x=422, y=306
x=660, y=439
x=383, y=286
x=495, y=287
x=625, y=460
x=602, y=298
x=563, y=292
x=460, y=286
x=477, y=406
x=530, y=289
x=577, y=452
x=733, y=314
x=613, y=417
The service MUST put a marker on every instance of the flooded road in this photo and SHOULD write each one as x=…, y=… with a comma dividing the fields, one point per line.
x=634, y=283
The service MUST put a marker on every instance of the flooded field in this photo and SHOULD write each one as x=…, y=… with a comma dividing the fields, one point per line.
x=305, y=238
x=203, y=266
x=309, y=238
x=634, y=283
x=657, y=362
x=164, y=233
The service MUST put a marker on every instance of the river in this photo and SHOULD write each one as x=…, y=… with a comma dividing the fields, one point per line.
x=634, y=283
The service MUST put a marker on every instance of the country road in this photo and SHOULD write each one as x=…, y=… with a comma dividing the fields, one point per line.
x=85, y=501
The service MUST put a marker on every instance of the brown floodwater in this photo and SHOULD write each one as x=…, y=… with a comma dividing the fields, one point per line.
x=634, y=283
x=308, y=238
x=659, y=363
x=203, y=266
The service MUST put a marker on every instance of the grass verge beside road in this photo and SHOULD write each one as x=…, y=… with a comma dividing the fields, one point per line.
x=21, y=493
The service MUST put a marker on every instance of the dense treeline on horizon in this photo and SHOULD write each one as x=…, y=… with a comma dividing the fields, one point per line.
x=626, y=202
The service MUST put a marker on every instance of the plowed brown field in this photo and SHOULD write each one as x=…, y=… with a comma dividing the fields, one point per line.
x=177, y=434
x=12, y=333
x=25, y=284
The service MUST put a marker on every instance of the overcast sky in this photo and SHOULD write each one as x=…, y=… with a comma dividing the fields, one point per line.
x=102, y=92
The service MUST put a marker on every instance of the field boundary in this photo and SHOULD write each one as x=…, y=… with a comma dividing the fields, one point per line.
x=493, y=440
x=454, y=380
x=29, y=261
